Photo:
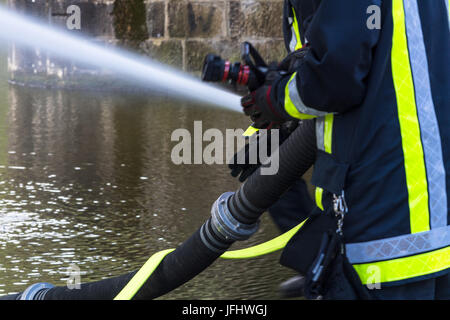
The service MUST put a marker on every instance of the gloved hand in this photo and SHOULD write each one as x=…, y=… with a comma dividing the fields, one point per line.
x=246, y=169
x=258, y=104
x=293, y=60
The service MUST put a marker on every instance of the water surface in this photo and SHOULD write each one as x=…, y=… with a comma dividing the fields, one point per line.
x=86, y=179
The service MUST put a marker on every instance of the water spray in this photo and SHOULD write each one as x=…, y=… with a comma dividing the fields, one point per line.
x=27, y=31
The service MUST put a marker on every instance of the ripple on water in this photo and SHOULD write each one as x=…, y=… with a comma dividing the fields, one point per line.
x=94, y=186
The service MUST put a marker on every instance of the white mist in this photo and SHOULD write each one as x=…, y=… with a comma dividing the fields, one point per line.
x=29, y=32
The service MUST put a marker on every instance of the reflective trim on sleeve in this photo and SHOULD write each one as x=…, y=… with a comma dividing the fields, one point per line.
x=416, y=178
x=320, y=125
x=293, y=42
x=294, y=105
x=328, y=133
x=324, y=136
x=324, y=133
x=296, y=40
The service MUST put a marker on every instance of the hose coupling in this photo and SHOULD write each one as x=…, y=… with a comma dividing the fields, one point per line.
x=36, y=291
x=226, y=224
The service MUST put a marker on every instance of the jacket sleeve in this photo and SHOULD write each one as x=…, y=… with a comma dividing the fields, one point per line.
x=332, y=76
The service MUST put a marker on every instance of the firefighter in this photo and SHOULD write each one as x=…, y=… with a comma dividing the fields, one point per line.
x=374, y=75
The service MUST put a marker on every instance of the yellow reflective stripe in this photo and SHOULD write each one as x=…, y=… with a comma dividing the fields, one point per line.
x=328, y=133
x=149, y=267
x=250, y=131
x=416, y=178
x=404, y=268
x=326, y=130
x=142, y=275
x=273, y=245
x=295, y=25
x=289, y=105
x=319, y=195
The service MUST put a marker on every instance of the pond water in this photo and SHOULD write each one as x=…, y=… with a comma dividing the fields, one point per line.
x=86, y=179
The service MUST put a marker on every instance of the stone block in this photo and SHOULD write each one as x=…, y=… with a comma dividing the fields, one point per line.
x=30, y=7
x=272, y=50
x=130, y=21
x=165, y=51
x=196, y=19
x=196, y=51
x=256, y=19
x=156, y=19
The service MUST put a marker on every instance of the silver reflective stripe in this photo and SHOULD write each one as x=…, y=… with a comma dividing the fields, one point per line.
x=320, y=134
x=429, y=127
x=293, y=43
x=298, y=103
x=398, y=247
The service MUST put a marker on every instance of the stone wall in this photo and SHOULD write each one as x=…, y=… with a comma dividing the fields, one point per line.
x=175, y=32
x=196, y=27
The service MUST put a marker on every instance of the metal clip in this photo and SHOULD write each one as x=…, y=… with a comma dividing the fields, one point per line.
x=340, y=209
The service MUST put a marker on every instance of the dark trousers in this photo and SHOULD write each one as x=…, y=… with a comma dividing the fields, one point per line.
x=431, y=289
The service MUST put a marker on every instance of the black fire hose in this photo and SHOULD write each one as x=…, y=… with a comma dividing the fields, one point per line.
x=234, y=217
x=296, y=155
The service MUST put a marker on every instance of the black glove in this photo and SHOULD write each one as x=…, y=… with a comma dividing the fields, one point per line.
x=258, y=104
x=246, y=169
x=292, y=62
